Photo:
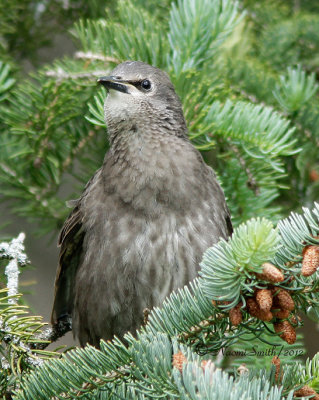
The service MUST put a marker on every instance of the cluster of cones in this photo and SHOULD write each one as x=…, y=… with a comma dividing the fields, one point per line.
x=274, y=303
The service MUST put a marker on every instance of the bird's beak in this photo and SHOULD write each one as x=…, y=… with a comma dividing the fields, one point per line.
x=111, y=82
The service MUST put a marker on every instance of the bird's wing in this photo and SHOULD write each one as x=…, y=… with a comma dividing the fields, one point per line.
x=70, y=242
x=219, y=198
x=229, y=224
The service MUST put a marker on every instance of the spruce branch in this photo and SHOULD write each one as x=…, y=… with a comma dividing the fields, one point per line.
x=254, y=125
x=197, y=29
x=45, y=131
x=310, y=374
x=6, y=81
x=225, y=265
x=295, y=89
x=249, y=77
x=37, y=196
x=135, y=35
x=190, y=316
x=156, y=372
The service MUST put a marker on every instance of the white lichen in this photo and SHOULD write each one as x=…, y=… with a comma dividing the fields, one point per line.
x=15, y=252
x=4, y=363
x=15, y=249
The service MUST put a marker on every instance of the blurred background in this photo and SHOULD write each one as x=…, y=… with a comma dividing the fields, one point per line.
x=51, y=53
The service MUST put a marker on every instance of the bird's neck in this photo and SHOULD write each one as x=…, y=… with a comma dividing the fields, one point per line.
x=124, y=130
x=143, y=140
x=148, y=148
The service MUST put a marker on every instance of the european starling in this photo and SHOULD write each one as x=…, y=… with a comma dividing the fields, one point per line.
x=140, y=227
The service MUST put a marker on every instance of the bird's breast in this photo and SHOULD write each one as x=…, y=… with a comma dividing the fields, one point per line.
x=133, y=253
x=154, y=176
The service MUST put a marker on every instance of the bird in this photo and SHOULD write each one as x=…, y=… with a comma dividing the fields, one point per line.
x=145, y=218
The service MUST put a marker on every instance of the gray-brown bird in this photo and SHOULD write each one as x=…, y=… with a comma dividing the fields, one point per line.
x=145, y=218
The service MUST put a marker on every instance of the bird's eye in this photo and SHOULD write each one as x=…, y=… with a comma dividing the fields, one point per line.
x=146, y=84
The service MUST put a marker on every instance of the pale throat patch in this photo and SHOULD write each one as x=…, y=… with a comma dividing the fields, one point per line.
x=114, y=96
x=121, y=103
x=117, y=96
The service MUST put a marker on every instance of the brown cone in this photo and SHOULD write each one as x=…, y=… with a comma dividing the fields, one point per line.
x=255, y=311
x=271, y=273
x=284, y=300
x=280, y=314
x=306, y=391
x=288, y=332
x=310, y=261
x=276, y=361
x=264, y=299
x=178, y=360
x=236, y=315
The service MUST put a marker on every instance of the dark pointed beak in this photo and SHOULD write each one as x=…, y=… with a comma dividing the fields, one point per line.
x=111, y=82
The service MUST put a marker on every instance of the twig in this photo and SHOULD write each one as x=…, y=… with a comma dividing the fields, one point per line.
x=251, y=183
x=146, y=313
x=247, y=95
x=34, y=192
x=53, y=333
x=202, y=325
x=95, y=383
x=89, y=55
x=60, y=74
x=80, y=146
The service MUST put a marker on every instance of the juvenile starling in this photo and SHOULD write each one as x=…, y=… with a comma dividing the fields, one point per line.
x=145, y=218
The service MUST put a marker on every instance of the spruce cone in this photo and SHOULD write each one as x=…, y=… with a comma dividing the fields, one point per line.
x=306, y=391
x=284, y=300
x=270, y=273
x=242, y=369
x=252, y=306
x=310, y=262
x=264, y=299
x=265, y=315
x=178, y=360
x=288, y=332
x=235, y=314
x=255, y=311
x=280, y=314
x=276, y=361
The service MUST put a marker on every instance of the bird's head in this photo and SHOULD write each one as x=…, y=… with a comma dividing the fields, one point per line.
x=141, y=96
